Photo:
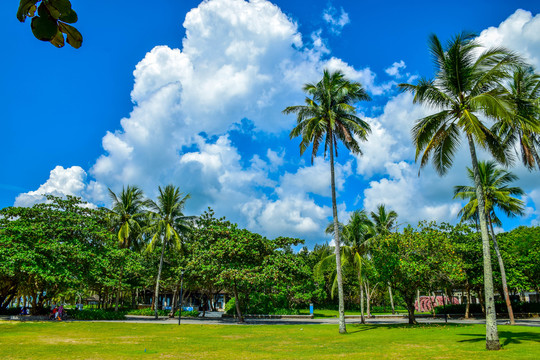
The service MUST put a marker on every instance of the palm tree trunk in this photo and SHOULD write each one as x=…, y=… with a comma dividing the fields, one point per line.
x=468, y=306
x=368, y=301
x=492, y=334
x=391, y=299
x=362, y=319
x=503, y=274
x=341, y=308
x=156, y=305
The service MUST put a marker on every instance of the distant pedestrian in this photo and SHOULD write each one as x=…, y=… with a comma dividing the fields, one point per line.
x=60, y=313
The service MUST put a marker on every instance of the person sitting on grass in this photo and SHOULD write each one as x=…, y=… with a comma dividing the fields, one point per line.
x=60, y=313
x=54, y=313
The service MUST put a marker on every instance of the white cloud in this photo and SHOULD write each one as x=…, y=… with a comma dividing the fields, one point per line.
x=520, y=32
x=394, y=70
x=61, y=182
x=335, y=20
x=365, y=76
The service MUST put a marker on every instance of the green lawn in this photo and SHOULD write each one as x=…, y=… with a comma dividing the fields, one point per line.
x=87, y=340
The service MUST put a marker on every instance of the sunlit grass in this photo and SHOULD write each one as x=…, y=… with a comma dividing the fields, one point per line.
x=87, y=340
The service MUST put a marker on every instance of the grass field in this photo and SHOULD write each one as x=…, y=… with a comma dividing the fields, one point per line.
x=99, y=340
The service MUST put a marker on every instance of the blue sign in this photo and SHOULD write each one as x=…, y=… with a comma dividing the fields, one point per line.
x=187, y=308
x=311, y=309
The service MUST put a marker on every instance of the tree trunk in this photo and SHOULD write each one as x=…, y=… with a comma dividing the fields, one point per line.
x=237, y=304
x=173, y=305
x=468, y=306
x=156, y=305
x=391, y=299
x=362, y=319
x=503, y=273
x=418, y=300
x=368, y=301
x=410, y=309
x=492, y=334
x=119, y=289
x=342, y=326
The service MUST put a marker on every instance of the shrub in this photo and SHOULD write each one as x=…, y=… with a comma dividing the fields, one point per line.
x=150, y=312
x=500, y=307
x=96, y=315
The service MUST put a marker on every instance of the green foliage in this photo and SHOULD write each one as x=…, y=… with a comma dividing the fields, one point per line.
x=96, y=315
x=150, y=312
x=52, y=21
x=500, y=306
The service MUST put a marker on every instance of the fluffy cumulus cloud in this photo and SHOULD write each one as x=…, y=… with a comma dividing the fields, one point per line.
x=246, y=60
x=62, y=182
x=336, y=20
x=388, y=158
x=520, y=32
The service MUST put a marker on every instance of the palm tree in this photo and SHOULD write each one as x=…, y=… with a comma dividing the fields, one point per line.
x=126, y=216
x=167, y=223
x=466, y=86
x=328, y=116
x=523, y=127
x=356, y=237
x=497, y=195
x=385, y=222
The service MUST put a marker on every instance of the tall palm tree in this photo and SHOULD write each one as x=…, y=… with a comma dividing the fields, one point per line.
x=328, y=116
x=126, y=215
x=384, y=222
x=522, y=129
x=167, y=224
x=497, y=195
x=465, y=90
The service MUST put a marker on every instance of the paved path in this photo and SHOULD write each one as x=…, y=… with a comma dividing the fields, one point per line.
x=324, y=321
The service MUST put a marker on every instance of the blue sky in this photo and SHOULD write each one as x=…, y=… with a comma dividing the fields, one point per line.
x=191, y=93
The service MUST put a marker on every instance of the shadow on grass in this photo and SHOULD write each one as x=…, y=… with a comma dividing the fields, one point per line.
x=505, y=337
x=367, y=327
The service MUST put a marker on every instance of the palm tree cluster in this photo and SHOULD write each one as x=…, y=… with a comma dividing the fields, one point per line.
x=143, y=224
x=472, y=88
x=359, y=235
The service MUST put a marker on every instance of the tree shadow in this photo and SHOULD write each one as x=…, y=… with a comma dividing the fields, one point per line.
x=505, y=337
x=367, y=327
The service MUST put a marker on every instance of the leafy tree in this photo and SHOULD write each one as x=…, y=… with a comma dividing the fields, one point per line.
x=328, y=116
x=523, y=127
x=384, y=221
x=50, y=248
x=167, y=223
x=466, y=86
x=416, y=258
x=497, y=195
x=52, y=21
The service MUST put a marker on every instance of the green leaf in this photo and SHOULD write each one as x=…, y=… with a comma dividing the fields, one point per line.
x=74, y=37
x=26, y=8
x=64, y=6
x=70, y=17
x=44, y=28
x=58, y=40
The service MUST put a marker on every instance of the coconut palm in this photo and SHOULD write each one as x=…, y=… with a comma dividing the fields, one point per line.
x=384, y=222
x=497, y=195
x=464, y=92
x=328, y=116
x=126, y=216
x=167, y=224
x=522, y=130
x=356, y=241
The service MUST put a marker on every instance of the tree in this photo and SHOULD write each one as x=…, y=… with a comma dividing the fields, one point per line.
x=356, y=235
x=383, y=223
x=51, y=248
x=497, y=195
x=328, y=116
x=466, y=86
x=416, y=258
x=522, y=128
x=127, y=213
x=167, y=223
x=52, y=21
